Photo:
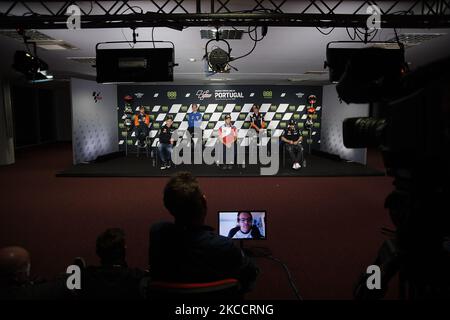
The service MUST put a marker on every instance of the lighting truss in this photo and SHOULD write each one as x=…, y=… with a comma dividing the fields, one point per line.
x=189, y=13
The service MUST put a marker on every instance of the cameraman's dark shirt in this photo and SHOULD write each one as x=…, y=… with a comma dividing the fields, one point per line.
x=180, y=254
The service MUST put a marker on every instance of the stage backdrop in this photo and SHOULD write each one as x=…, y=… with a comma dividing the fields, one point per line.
x=94, y=119
x=278, y=103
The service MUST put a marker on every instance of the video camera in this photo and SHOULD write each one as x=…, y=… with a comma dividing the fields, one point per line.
x=412, y=129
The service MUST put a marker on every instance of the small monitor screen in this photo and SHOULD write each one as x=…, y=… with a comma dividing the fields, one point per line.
x=244, y=224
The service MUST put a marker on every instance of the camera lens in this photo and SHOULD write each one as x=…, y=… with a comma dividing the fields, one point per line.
x=364, y=132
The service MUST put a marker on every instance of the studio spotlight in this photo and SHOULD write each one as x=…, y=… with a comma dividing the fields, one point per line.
x=218, y=60
x=34, y=69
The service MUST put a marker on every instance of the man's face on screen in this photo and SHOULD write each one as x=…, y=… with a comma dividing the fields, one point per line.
x=245, y=222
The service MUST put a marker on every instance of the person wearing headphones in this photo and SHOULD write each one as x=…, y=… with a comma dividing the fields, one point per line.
x=245, y=228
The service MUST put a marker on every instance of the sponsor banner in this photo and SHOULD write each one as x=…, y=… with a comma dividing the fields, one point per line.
x=278, y=104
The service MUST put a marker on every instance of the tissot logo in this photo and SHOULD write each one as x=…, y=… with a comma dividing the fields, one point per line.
x=203, y=94
x=228, y=95
x=96, y=96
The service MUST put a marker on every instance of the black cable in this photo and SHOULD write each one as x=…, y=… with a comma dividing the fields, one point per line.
x=131, y=45
x=256, y=34
x=350, y=36
x=396, y=36
x=325, y=33
x=291, y=281
x=363, y=33
x=25, y=42
x=243, y=30
x=359, y=34
x=262, y=252
x=131, y=8
x=153, y=37
x=254, y=46
x=121, y=29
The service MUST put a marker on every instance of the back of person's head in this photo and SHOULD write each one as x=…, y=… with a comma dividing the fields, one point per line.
x=184, y=199
x=111, y=248
x=14, y=266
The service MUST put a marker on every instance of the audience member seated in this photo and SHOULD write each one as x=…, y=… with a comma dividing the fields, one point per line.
x=187, y=250
x=112, y=279
x=14, y=271
x=16, y=283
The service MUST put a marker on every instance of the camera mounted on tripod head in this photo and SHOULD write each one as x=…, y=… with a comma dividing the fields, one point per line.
x=412, y=128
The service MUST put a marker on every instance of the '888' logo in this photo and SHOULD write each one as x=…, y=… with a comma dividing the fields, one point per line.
x=171, y=94
x=267, y=94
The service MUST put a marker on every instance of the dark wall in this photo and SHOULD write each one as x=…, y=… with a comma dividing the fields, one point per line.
x=63, y=114
x=25, y=115
x=41, y=114
x=278, y=103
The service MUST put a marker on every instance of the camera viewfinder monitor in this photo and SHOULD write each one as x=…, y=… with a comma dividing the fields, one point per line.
x=243, y=225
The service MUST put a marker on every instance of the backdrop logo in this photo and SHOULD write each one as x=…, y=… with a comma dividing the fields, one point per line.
x=299, y=95
x=203, y=94
x=267, y=94
x=139, y=95
x=74, y=21
x=228, y=95
x=97, y=96
x=171, y=95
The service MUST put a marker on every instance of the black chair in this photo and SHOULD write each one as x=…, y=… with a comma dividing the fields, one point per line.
x=146, y=146
x=283, y=154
